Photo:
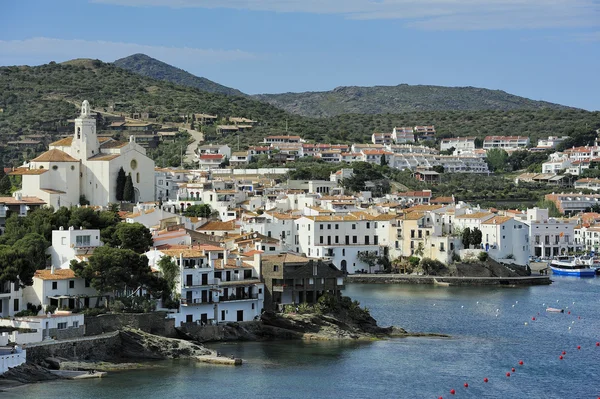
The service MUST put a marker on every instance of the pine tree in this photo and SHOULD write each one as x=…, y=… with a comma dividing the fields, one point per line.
x=5, y=183
x=120, y=184
x=128, y=191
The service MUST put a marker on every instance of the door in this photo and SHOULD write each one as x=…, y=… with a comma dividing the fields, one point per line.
x=189, y=318
x=344, y=265
x=228, y=274
x=240, y=315
x=204, y=319
x=188, y=297
x=188, y=280
x=222, y=315
x=204, y=296
x=205, y=279
x=328, y=240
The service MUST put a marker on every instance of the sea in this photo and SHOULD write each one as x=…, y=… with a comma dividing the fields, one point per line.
x=494, y=331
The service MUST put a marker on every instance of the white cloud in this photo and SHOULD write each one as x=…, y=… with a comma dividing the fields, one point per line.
x=50, y=49
x=421, y=14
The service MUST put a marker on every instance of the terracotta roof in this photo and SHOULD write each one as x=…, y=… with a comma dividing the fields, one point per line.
x=186, y=253
x=253, y=252
x=498, y=220
x=113, y=144
x=415, y=194
x=414, y=215
x=422, y=208
x=20, y=172
x=59, y=274
x=231, y=264
x=55, y=156
x=23, y=200
x=476, y=215
x=66, y=142
x=211, y=248
x=285, y=258
x=442, y=200
x=104, y=157
x=218, y=226
x=211, y=156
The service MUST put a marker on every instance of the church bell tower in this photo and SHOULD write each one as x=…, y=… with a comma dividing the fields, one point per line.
x=85, y=140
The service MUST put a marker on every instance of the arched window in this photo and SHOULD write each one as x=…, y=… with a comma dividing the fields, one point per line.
x=137, y=177
x=78, y=133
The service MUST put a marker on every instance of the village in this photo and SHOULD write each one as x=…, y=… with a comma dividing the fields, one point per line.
x=238, y=241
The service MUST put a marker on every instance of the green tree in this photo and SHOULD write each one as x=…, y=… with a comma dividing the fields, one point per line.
x=383, y=161
x=497, y=159
x=553, y=210
x=129, y=191
x=121, y=178
x=438, y=168
x=86, y=218
x=5, y=183
x=466, y=237
x=133, y=236
x=116, y=270
x=169, y=271
x=201, y=210
x=475, y=237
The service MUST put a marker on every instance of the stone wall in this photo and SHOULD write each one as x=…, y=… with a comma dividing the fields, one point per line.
x=104, y=347
x=454, y=281
x=67, y=333
x=153, y=323
x=237, y=331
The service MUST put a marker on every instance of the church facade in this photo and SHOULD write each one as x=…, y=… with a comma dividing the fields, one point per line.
x=84, y=165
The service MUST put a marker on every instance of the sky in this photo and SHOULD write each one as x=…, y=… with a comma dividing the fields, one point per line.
x=541, y=49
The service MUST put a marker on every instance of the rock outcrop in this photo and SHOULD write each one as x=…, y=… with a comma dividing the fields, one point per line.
x=138, y=344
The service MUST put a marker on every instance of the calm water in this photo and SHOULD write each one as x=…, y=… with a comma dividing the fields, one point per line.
x=483, y=345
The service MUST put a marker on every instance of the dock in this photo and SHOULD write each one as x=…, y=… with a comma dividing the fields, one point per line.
x=448, y=281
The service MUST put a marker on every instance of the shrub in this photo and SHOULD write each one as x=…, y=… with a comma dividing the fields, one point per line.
x=455, y=257
x=414, y=261
x=483, y=256
x=50, y=309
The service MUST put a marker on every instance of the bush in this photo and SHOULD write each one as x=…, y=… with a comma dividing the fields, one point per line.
x=414, y=261
x=50, y=309
x=455, y=257
x=25, y=313
x=483, y=256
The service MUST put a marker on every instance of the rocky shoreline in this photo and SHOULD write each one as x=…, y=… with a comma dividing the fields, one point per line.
x=135, y=349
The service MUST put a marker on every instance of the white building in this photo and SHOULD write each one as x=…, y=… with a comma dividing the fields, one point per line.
x=587, y=238
x=506, y=240
x=11, y=301
x=382, y=138
x=85, y=165
x=550, y=236
x=339, y=239
x=71, y=243
x=214, y=288
x=508, y=143
x=458, y=143
x=550, y=142
x=403, y=135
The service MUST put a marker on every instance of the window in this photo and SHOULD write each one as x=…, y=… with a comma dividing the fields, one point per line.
x=133, y=164
x=82, y=241
x=353, y=227
x=354, y=239
x=55, y=285
x=376, y=240
x=337, y=239
x=62, y=326
x=276, y=268
x=87, y=283
x=75, y=324
x=320, y=227
x=16, y=305
x=137, y=177
x=71, y=283
x=368, y=225
x=321, y=240
x=328, y=227
x=337, y=226
x=343, y=252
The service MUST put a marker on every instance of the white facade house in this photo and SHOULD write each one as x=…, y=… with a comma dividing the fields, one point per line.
x=506, y=240
x=550, y=142
x=550, y=236
x=85, y=165
x=70, y=243
x=505, y=142
x=458, y=143
x=402, y=135
x=340, y=239
x=11, y=301
x=213, y=287
x=587, y=238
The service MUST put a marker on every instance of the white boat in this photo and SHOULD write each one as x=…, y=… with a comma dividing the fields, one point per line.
x=571, y=266
x=555, y=310
x=592, y=262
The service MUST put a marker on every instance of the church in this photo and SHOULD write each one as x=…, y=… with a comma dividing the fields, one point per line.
x=85, y=165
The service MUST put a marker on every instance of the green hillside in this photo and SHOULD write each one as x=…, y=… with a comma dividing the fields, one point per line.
x=42, y=98
x=399, y=99
x=153, y=68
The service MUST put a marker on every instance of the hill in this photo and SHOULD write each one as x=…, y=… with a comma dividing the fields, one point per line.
x=42, y=99
x=153, y=68
x=399, y=99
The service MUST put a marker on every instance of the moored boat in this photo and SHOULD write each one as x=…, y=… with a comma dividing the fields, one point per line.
x=571, y=266
x=555, y=310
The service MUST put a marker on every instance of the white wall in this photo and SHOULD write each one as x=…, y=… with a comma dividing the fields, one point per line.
x=12, y=360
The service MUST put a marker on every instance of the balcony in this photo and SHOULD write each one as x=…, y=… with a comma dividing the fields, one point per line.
x=244, y=297
x=195, y=302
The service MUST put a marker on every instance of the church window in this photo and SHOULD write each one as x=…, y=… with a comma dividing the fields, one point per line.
x=41, y=166
x=55, y=167
x=137, y=177
x=133, y=164
x=72, y=167
x=78, y=133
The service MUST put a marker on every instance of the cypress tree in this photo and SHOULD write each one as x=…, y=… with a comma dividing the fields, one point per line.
x=128, y=191
x=120, y=184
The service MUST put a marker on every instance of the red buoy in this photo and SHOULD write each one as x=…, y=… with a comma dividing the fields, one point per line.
x=440, y=397
x=513, y=370
x=533, y=318
x=485, y=379
x=560, y=357
x=466, y=384
x=564, y=353
x=452, y=392
x=578, y=347
x=520, y=362
x=569, y=312
x=508, y=374
x=597, y=343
